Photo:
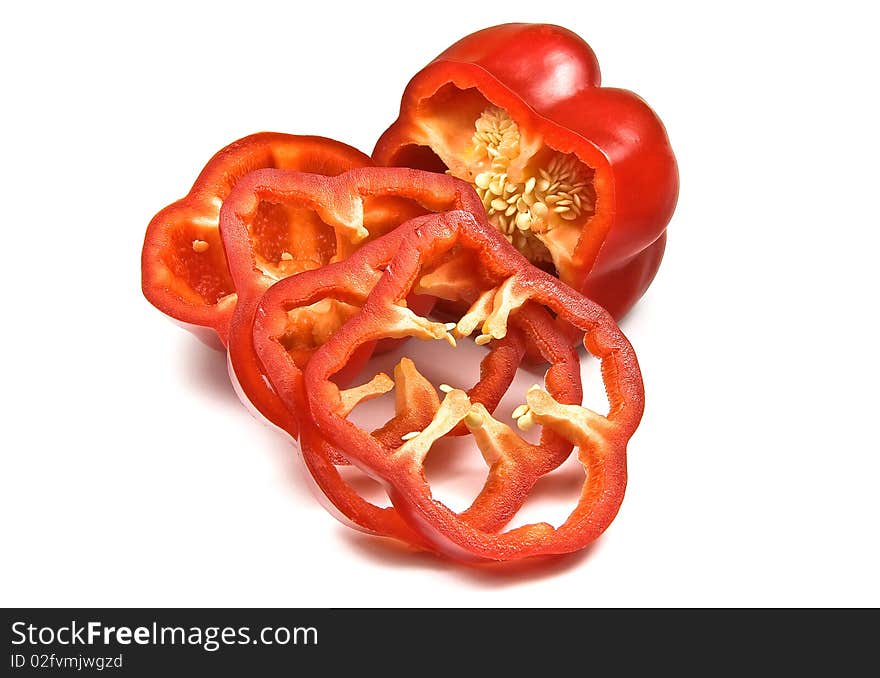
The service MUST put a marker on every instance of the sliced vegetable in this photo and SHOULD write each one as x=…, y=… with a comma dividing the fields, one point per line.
x=416, y=400
x=514, y=290
x=280, y=223
x=184, y=272
x=580, y=178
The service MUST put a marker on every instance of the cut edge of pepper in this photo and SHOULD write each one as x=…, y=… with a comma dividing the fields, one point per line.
x=411, y=142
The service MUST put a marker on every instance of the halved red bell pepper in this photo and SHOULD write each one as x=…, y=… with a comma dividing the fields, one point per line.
x=350, y=282
x=279, y=223
x=184, y=272
x=580, y=178
x=512, y=289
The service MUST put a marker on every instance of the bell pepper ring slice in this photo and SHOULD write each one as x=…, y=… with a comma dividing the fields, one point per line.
x=416, y=400
x=278, y=223
x=579, y=178
x=184, y=270
x=517, y=288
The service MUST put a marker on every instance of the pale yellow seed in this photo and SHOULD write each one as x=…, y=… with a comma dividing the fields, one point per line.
x=540, y=210
x=286, y=256
x=199, y=246
x=530, y=185
x=446, y=388
x=410, y=435
x=519, y=411
x=450, y=340
x=523, y=221
x=450, y=326
x=482, y=180
x=499, y=204
x=483, y=339
x=525, y=422
x=473, y=419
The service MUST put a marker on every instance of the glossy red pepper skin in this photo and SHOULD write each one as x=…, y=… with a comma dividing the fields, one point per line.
x=602, y=442
x=195, y=288
x=352, y=281
x=358, y=206
x=547, y=78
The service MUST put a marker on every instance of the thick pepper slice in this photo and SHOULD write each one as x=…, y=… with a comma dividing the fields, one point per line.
x=184, y=272
x=580, y=178
x=416, y=400
x=513, y=289
x=279, y=223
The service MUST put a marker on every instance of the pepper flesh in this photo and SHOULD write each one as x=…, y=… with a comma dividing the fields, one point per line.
x=516, y=289
x=184, y=272
x=347, y=210
x=580, y=178
x=416, y=403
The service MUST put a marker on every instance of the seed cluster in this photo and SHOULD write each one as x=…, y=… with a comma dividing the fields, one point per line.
x=560, y=192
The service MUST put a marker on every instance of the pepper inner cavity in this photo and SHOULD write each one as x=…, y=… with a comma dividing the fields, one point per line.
x=290, y=239
x=537, y=197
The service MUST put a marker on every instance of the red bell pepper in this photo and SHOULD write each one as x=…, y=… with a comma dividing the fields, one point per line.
x=184, y=272
x=512, y=290
x=416, y=403
x=279, y=223
x=580, y=178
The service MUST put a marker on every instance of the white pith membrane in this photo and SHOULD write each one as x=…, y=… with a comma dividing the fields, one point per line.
x=311, y=326
x=537, y=197
x=497, y=442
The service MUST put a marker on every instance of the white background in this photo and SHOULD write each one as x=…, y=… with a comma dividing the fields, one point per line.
x=130, y=473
